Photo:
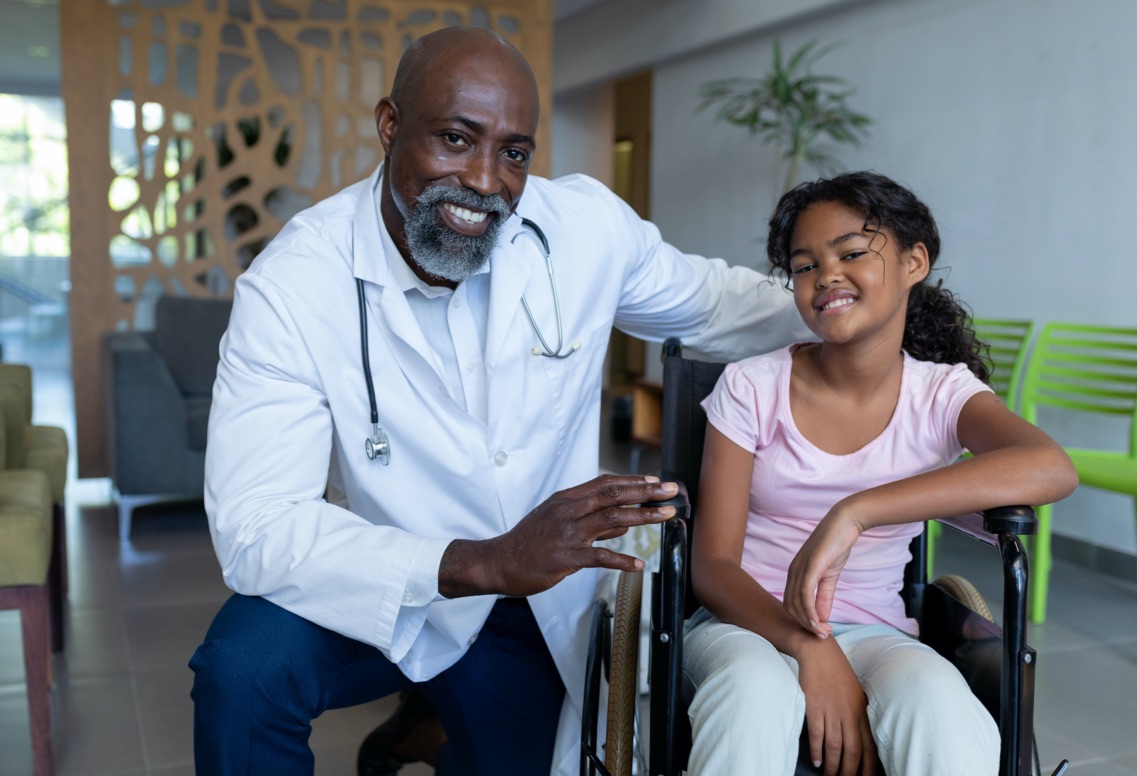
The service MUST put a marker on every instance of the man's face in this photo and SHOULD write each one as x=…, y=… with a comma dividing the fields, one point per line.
x=457, y=160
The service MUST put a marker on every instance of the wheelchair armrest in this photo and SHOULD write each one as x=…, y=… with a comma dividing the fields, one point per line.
x=986, y=525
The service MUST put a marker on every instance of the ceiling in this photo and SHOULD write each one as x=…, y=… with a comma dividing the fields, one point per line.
x=29, y=42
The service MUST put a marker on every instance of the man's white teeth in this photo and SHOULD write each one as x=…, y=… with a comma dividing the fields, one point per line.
x=469, y=216
x=847, y=300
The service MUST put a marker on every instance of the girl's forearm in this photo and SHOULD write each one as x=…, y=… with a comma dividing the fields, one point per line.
x=1030, y=475
x=734, y=597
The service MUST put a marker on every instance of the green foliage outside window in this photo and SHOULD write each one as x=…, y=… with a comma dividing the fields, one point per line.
x=34, y=218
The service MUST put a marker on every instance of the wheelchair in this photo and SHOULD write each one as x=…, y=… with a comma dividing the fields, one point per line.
x=954, y=620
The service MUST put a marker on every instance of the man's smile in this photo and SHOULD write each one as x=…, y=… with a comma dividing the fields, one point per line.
x=467, y=215
x=463, y=220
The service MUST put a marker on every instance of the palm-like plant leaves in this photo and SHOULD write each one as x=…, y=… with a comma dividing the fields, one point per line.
x=791, y=108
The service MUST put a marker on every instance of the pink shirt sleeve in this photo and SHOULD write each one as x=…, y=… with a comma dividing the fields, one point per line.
x=956, y=387
x=733, y=408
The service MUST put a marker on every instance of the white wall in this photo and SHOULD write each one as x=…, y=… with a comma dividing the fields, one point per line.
x=1015, y=120
x=583, y=132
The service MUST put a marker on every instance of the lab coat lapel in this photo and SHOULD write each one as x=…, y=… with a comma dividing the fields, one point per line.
x=389, y=306
x=510, y=267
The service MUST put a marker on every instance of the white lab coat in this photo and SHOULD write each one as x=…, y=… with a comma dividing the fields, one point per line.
x=291, y=397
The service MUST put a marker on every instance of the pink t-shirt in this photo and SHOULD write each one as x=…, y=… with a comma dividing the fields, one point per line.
x=795, y=484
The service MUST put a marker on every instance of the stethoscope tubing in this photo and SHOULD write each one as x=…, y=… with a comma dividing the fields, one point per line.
x=377, y=445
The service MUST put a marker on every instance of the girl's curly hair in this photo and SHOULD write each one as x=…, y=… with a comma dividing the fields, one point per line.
x=937, y=327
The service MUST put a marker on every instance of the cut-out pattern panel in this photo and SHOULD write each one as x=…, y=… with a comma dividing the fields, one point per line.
x=198, y=127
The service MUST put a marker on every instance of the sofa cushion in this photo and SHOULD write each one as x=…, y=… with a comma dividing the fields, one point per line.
x=197, y=420
x=187, y=334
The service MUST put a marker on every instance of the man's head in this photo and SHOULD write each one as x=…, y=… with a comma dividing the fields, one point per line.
x=458, y=130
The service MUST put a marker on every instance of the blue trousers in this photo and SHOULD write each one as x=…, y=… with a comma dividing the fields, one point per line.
x=263, y=674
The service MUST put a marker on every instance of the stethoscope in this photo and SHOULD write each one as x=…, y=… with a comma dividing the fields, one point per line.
x=378, y=446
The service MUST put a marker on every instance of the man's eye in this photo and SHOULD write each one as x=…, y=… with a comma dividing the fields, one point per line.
x=455, y=138
x=516, y=155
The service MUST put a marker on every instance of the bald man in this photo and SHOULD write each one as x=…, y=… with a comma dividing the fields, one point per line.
x=403, y=441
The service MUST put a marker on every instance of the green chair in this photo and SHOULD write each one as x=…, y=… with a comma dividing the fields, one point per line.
x=1007, y=345
x=1086, y=369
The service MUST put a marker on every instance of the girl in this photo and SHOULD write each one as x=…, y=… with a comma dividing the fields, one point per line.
x=821, y=463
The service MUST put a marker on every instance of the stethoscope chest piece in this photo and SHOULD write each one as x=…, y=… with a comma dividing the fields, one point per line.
x=377, y=447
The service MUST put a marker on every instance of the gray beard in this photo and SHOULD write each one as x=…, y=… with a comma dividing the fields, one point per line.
x=438, y=249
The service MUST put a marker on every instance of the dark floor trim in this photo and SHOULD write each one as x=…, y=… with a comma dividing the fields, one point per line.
x=1094, y=557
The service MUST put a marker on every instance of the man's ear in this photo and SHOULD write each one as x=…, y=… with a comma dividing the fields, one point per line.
x=919, y=265
x=386, y=123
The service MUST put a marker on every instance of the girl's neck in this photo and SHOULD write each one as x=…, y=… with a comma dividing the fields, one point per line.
x=858, y=369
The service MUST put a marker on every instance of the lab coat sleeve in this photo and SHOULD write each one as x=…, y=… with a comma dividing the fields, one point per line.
x=725, y=312
x=270, y=439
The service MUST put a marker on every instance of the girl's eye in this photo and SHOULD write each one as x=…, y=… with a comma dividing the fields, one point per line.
x=853, y=255
x=802, y=269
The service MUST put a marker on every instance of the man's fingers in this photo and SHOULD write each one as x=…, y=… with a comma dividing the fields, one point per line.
x=602, y=557
x=622, y=490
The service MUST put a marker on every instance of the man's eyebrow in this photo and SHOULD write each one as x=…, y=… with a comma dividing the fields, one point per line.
x=476, y=126
x=832, y=243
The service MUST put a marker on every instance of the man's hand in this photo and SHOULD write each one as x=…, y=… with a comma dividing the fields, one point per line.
x=812, y=577
x=556, y=539
x=836, y=712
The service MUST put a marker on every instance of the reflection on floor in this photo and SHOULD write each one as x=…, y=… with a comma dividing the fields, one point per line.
x=138, y=610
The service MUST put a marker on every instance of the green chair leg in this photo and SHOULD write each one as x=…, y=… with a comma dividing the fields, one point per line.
x=1040, y=562
x=934, y=530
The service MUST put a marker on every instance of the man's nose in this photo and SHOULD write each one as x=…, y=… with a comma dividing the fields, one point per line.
x=480, y=173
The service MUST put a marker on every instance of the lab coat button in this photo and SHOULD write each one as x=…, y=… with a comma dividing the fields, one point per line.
x=500, y=458
x=408, y=599
x=470, y=367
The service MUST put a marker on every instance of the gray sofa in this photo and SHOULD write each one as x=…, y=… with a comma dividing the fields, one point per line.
x=157, y=386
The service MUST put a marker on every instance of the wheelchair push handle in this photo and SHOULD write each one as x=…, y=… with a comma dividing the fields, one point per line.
x=681, y=501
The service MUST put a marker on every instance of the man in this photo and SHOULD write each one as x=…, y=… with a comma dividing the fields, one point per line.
x=464, y=568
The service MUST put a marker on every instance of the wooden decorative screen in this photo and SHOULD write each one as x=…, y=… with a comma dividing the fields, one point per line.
x=197, y=127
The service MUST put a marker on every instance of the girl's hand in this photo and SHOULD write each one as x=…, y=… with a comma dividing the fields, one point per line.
x=812, y=577
x=836, y=712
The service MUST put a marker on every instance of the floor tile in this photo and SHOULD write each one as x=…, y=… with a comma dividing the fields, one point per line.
x=158, y=579
x=11, y=649
x=1070, y=684
x=166, y=712
x=98, y=728
x=96, y=643
x=15, y=733
x=165, y=637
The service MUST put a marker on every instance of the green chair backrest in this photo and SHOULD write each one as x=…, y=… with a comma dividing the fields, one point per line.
x=1084, y=368
x=1007, y=343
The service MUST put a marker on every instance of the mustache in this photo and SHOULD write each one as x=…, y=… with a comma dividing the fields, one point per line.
x=463, y=197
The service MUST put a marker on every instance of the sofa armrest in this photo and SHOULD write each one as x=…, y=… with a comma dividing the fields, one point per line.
x=144, y=411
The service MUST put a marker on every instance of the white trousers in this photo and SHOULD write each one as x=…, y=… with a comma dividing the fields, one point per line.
x=748, y=708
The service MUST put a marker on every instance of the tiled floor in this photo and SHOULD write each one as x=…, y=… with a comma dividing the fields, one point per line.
x=138, y=610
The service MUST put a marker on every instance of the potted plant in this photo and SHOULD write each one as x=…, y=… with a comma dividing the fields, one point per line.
x=792, y=109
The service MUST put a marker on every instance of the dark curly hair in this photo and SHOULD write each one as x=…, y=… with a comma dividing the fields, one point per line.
x=937, y=326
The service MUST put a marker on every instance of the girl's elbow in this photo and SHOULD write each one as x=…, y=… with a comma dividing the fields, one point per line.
x=1061, y=474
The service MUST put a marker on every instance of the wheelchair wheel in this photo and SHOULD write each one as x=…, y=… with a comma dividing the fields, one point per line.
x=623, y=675
x=965, y=592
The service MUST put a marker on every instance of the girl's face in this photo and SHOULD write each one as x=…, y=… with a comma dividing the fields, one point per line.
x=850, y=283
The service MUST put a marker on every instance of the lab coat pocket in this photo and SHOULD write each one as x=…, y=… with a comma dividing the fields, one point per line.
x=575, y=381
